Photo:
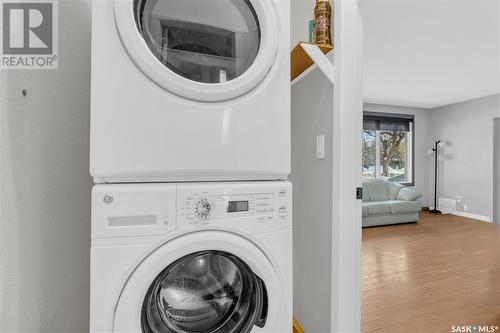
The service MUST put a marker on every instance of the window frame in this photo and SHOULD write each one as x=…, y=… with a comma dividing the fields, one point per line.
x=411, y=117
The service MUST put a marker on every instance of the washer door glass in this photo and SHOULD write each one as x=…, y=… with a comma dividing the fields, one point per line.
x=208, y=291
x=209, y=41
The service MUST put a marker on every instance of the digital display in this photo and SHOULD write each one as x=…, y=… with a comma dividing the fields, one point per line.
x=237, y=206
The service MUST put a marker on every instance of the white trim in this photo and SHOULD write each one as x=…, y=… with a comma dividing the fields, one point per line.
x=410, y=152
x=320, y=59
x=346, y=156
x=378, y=169
x=3, y=117
x=494, y=190
x=472, y=216
x=465, y=214
x=304, y=73
x=328, y=56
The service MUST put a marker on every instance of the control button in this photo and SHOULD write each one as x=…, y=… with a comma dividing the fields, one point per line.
x=283, y=217
x=261, y=219
x=263, y=197
x=270, y=218
x=282, y=194
x=282, y=210
x=203, y=208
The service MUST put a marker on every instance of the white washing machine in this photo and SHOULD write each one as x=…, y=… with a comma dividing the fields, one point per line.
x=190, y=90
x=195, y=257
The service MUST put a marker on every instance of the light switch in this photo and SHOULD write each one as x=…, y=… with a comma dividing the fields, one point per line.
x=320, y=146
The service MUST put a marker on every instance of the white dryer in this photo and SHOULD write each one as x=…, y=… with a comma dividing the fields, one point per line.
x=190, y=90
x=191, y=258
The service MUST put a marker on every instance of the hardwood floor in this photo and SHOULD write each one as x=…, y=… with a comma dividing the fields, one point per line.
x=426, y=277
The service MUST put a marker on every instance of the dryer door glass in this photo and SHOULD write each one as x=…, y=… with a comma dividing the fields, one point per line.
x=208, y=291
x=210, y=41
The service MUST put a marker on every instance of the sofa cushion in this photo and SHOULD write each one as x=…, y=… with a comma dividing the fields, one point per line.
x=408, y=194
x=376, y=208
x=394, y=189
x=404, y=207
x=366, y=194
x=365, y=210
x=377, y=190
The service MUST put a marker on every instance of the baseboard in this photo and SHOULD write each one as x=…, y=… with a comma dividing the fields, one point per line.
x=465, y=214
x=449, y=206
x=473, y=216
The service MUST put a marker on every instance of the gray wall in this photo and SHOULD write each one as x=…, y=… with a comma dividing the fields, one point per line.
x=467, y=169
x=421, y=142
x=301, y=12
x=44, y=187
x=312, y=115
x=496, y=170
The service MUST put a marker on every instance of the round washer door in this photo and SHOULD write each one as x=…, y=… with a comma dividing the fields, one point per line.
x=205, y=50
x=207, y=281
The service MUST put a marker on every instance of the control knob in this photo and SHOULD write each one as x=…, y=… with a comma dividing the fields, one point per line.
x=203, y=208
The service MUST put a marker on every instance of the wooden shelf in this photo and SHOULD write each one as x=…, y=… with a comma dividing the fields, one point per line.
x=297, y=328
x=301, y=60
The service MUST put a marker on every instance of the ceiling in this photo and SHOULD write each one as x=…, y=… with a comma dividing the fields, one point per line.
x=429, y=53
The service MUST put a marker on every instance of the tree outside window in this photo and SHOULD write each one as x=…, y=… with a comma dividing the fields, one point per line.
x=387, y=153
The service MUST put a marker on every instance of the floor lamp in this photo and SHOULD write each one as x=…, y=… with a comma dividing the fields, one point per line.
x=435, y=151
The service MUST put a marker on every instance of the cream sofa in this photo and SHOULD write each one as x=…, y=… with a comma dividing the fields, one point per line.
x=386, y=202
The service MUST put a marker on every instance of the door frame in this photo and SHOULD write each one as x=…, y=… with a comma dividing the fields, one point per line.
x=496, y=171
x=347, y=175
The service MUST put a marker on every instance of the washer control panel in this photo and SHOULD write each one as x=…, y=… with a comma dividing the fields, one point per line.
x=224, y=205
x=203, y=206
x=132, y=210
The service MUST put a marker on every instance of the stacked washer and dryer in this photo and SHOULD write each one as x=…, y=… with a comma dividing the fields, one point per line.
x=190, y=152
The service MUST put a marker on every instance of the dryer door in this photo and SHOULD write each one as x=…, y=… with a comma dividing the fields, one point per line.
x=203, y=282
x=207, y=50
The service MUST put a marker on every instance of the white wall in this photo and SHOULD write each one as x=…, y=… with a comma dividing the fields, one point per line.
x=421, y=143
x=496, y=170
x=467, y=170
x=301, y=12
x=44, y=187
x=312, y=115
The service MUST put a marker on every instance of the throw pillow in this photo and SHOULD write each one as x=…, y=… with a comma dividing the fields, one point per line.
x=408, y=194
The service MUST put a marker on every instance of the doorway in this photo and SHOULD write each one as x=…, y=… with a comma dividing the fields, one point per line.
x=496, y=170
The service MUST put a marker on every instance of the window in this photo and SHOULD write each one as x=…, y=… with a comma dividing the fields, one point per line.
x=388, y=147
